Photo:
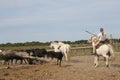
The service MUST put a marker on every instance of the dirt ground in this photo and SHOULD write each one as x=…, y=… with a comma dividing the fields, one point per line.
x=78, y=68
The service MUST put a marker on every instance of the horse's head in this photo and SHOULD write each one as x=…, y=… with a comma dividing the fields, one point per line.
x=60, y=43
x=53, y=44
x=92, y=39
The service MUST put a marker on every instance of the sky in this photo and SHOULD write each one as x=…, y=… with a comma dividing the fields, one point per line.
x=61, y=20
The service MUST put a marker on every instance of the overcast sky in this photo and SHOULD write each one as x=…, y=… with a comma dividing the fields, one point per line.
x=62, y=20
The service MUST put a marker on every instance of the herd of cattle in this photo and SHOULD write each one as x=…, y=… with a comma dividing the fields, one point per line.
x=29, y=56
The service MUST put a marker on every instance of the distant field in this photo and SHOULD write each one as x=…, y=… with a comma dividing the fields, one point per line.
x=73, y=52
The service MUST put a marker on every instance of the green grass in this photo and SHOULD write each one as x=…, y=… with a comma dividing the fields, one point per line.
x=24, y=47
x=80, y=52
x=116, y=47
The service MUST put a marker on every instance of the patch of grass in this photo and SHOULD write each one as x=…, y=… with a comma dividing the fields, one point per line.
x=80, y=52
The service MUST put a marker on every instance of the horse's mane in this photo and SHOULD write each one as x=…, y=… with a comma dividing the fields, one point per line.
x=94, y=38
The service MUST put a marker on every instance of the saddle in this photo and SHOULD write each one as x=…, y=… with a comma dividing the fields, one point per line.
x=107, y=41
x=100, y=44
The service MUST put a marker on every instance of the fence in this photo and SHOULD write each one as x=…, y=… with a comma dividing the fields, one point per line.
x=80, y=51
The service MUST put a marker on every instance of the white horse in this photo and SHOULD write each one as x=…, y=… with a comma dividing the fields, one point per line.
x=104, y=50
x=61, y=47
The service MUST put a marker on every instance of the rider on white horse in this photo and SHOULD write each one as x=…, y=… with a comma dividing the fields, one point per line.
x=104, y=50
x=101, y=38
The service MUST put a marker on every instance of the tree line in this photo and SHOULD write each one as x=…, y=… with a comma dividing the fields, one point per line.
x=37, y=43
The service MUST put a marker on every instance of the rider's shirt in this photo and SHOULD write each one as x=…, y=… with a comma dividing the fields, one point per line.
x=101, y=37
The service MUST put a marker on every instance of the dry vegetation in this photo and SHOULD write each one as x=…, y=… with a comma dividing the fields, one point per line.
x=80, y=67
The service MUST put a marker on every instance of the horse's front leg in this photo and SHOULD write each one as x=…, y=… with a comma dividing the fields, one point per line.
x=107, y=64
x=96, y=60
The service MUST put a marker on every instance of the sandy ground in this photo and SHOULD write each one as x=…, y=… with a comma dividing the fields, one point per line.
x=78, y=68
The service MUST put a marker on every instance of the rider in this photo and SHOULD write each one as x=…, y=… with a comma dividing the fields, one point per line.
x=101, y=38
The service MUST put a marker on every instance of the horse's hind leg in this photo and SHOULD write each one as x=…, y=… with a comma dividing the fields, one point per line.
x=107, y=60
x=66, y=57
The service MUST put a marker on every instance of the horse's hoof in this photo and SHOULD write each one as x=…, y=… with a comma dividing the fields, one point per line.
x=96, y=65
x=8, y=67
x=107, y=65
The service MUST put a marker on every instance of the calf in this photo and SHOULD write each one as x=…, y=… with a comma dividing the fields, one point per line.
x=10, y=55
x=57, y=55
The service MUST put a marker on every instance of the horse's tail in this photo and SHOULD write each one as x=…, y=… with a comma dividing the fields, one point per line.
x=112, y=54
x=67, y=51
x=68, y=48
